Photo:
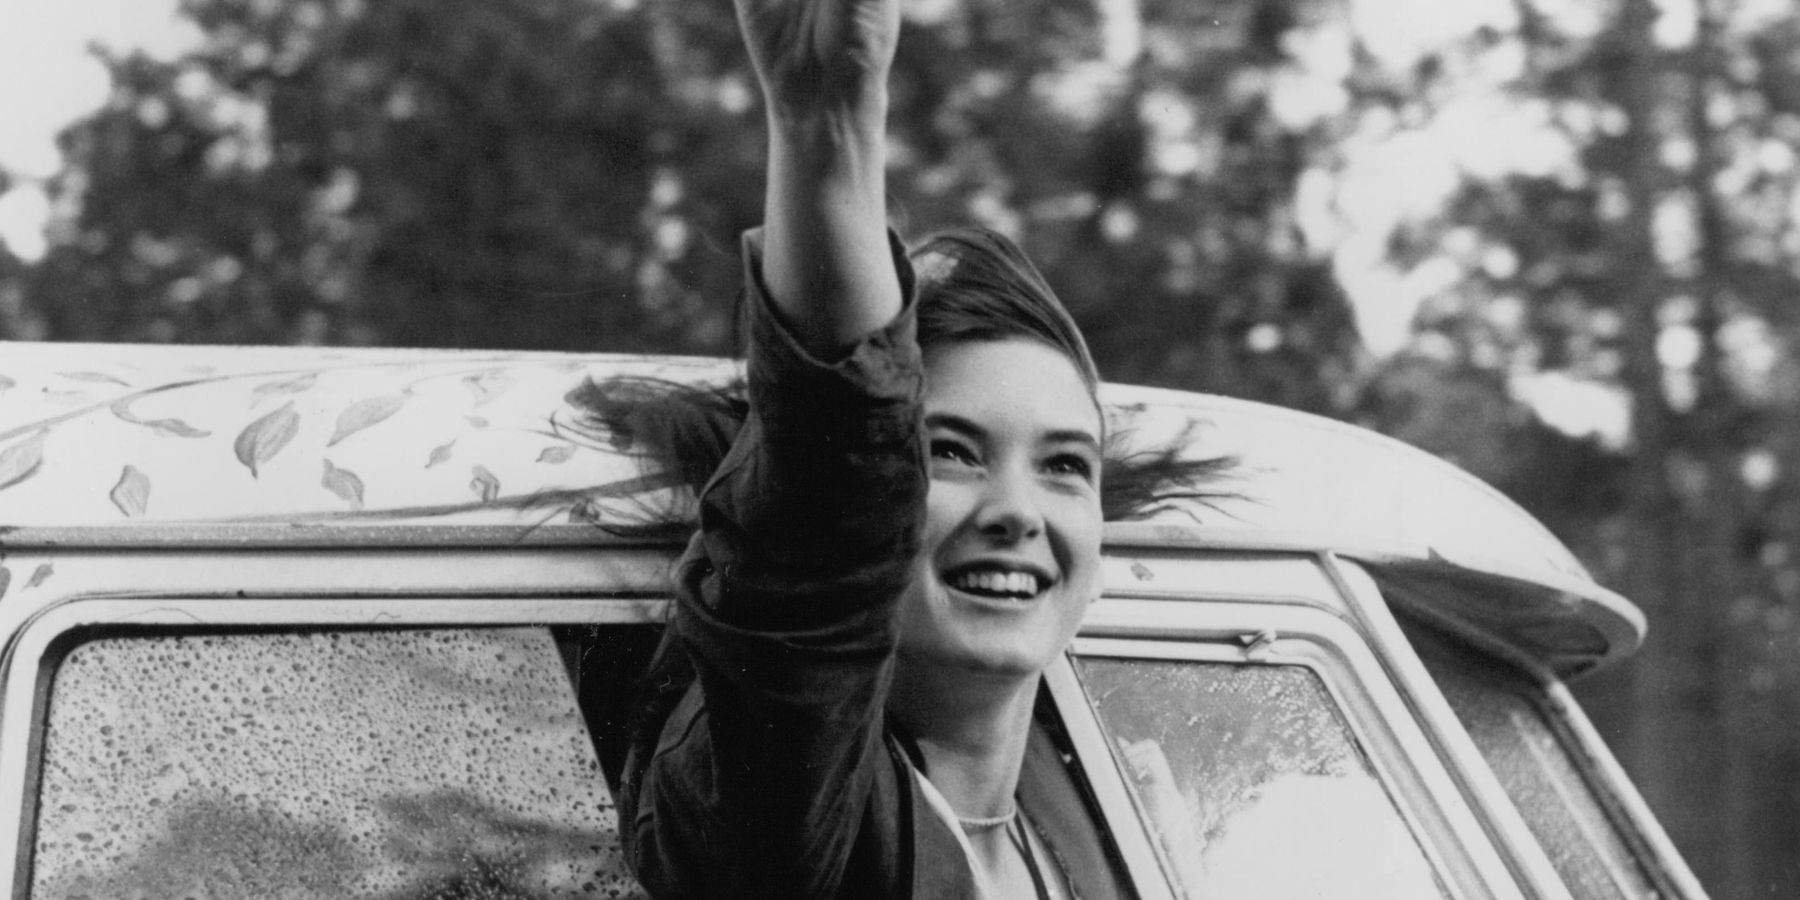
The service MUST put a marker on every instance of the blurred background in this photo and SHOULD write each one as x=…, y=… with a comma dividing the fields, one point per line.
x=1553, y=241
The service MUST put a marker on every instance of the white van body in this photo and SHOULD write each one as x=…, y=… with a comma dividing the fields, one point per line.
x=323, y=622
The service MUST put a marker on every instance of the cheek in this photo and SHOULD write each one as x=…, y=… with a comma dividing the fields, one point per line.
x=1082, y=533
x=1082, y=528
x=946, y=505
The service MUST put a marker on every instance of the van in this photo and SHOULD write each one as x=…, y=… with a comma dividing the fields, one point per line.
x=307, y=622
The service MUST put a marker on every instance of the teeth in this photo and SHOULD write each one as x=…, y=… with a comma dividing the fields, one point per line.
x=1015, y=583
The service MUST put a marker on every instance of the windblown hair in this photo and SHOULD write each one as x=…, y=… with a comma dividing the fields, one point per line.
x=973, y=284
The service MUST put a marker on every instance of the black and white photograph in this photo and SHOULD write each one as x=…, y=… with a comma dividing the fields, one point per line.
x=900, y=449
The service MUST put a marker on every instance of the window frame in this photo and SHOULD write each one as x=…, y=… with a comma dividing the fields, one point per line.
x=1489, y=677
x=1617, y=794
x=1299, y=630
x=37, y=650
x=1375, y=603
x=1510, y=670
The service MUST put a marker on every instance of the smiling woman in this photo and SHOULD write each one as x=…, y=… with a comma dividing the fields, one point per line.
x=887, y=655
x=903, y=534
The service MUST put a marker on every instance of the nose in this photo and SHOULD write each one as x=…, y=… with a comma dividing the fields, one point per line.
x=1009, y=510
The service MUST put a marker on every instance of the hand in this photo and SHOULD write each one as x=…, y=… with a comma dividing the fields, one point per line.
x=823, y=65
x=821, y=55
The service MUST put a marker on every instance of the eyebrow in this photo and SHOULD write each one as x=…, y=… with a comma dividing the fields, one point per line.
x=966, y=426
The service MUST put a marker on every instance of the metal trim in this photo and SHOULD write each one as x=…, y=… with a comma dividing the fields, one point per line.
x=1501, y=819
x=1618, y=795
x=1117, y=808
x=1424, y=792
x=1613, y=789
x=1623, y=619
x=1612, y=614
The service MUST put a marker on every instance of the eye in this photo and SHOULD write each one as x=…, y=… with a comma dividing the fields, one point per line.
x=1073, y=464
x=952, y=451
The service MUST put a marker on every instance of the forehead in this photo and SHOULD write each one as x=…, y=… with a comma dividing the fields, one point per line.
x=1019, y=384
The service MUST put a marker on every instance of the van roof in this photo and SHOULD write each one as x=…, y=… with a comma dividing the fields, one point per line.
x=105, y=443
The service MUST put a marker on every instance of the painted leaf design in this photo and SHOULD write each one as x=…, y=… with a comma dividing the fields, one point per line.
x=39, y=575
x=94, y=377
x=486, y=385
x=5, y=579
x=21, y=460
x=484, y=484
x=343, y=483
x=477, y=421
x=262, y=439
x=280, y=388
x=557, y=455
x=440, y=454
x=364, y=413
x=175, y=427
x=132, y=494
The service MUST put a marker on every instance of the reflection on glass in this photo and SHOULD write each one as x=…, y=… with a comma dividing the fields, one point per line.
x=381, y=764
x=1254, y=784
x=1543, y=782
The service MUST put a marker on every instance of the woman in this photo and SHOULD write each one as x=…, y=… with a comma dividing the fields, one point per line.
x=896, y=545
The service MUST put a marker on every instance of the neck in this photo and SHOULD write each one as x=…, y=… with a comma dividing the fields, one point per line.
x=971, y=731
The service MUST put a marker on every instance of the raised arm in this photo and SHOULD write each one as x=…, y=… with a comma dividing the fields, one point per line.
x=769, y=775
x=823, y=66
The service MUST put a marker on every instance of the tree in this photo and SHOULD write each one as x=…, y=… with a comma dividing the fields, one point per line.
x=414, y=173
x=1656, y=267
x=569, y=174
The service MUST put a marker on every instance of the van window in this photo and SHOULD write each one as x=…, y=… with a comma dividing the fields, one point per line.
x=1253, y=782
x=349, y=763
x=1504, y=712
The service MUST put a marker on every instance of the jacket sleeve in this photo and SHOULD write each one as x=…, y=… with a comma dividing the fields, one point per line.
x=785, y=608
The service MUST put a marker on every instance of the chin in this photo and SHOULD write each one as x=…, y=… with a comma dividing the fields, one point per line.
x=993, y=661
x=940, y=631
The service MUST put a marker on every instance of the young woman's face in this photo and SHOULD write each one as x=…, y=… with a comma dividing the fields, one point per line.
x=1011, y=551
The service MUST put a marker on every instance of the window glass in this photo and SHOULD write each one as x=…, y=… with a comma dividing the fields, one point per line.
x=1254, y=783
x=1519, y=744
x=417, y=764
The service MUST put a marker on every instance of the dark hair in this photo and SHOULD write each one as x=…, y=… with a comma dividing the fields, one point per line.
x=973, y=284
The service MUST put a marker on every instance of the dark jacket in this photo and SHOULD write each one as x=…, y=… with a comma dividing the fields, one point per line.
x=776, y=774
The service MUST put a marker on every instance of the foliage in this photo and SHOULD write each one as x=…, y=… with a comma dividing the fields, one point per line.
x=1653, y=263
x=564, y=174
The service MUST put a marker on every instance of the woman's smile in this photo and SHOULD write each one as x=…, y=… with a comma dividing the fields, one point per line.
x=1001, y=579
x=1014, y=585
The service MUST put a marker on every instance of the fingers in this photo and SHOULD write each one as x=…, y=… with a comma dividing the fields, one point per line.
x=812, y=52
